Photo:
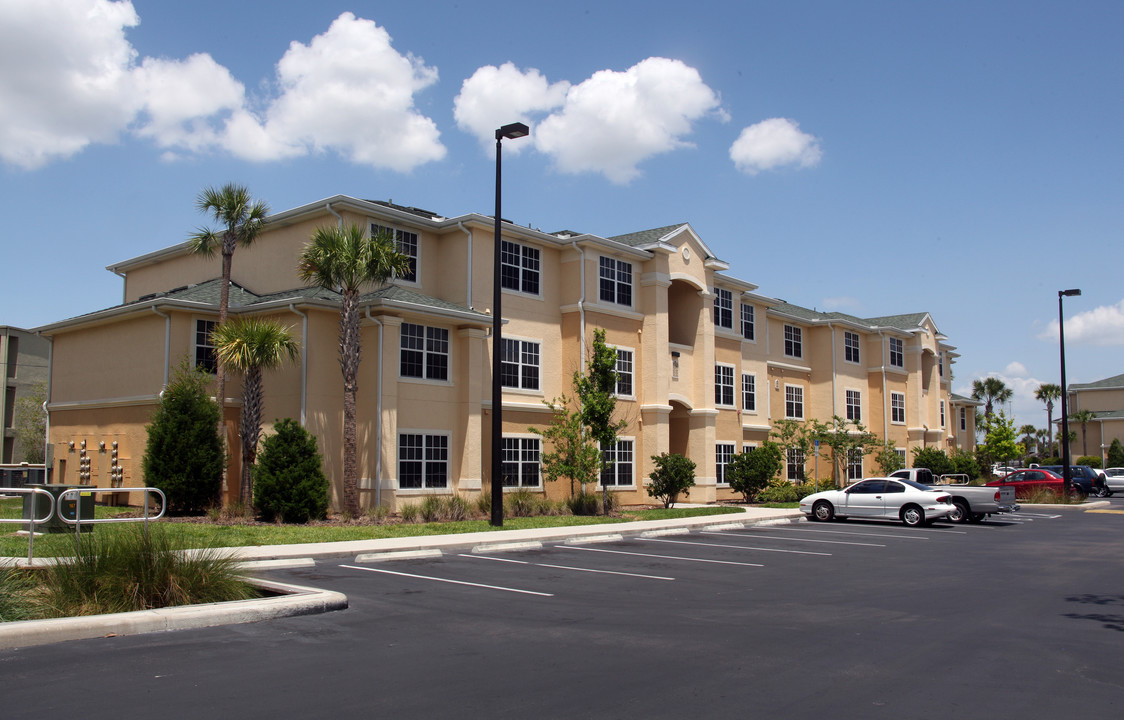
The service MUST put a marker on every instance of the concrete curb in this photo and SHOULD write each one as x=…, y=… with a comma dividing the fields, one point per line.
x=292, y=600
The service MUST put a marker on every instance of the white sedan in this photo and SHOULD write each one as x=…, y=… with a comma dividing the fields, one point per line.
x=1114, y=479
x=912, y=503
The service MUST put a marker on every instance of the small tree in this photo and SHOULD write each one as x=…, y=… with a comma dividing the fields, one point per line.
x=843, y=436
x=30, y=423
x=999, y=438
x=750, y=472
x=289, y=480
x=572, y=454
x=792, y=435
x=183, y=456
x=1116, y=454
x=964, y=463
x=596, y=390
x=674, y=474
x=888, y=458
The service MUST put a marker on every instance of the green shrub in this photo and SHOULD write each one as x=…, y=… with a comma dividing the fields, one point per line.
x=585, y=504
x=520, y=503
x=1115, y=455
x=934, y=459
x=783, y=491
x=674, y=474
x=1091, y=460
x=137, y=570
x=289, y=481
x=410, y=512
x=964, y=463
x=183, y=455
x=750, y=472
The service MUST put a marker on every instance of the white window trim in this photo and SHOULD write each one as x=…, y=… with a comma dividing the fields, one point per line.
x=633, y=351
x=741, y=333
x=846, y=405
x=417, y=259
x=891, y=408
x=631, y=284
x=632, y=485
x=803, y=414
x=519, y=292
x=733, y=404
x=423, y=490
x=541, y=487
x=448, y=381
x=746, y=410
x=784, y=340
x=724, y=482
x=858, y=348
x=521, y=390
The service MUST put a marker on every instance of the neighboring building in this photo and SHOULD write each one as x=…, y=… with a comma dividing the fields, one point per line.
x=707, y=364
x=1105, y=399
x=23, y=359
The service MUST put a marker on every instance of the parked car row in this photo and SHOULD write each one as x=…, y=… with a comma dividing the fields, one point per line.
x=1114, y=479
x=898, y=499
x=1084, y=481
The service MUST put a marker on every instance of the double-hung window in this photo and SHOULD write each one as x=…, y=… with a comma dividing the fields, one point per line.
x=624, y=373
x=851, y=346
x=618, y=459
x=520, y=462
x=616, y=281
x=942, y=413
x=723, y=453
x=204, y=351
x=897, y=352
x=424, y=352
x=749, y=392
x=747, y=322
x=519, y=366
x=793, y=402
x=723, y=308
x=423, y=461
x=855, y=464
x=854, y=406
x=897, y=407
x=405, y=242
x=519, y=267
x=793, y=341
x=795, y=465
x=963, y=419
x=724, y=385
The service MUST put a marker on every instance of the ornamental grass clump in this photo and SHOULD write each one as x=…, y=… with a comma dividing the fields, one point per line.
x=132, y=569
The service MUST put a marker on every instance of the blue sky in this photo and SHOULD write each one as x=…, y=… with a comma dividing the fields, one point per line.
x=874, y=158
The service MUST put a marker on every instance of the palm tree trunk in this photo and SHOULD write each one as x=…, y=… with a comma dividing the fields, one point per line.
x=250, y=430
x=349, y=365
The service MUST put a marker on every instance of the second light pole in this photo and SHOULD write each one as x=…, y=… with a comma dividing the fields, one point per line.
x=512, y=131
x=1067, y=472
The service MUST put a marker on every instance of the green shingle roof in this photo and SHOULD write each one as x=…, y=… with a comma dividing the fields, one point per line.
x=646, y=237
x=1112, y=382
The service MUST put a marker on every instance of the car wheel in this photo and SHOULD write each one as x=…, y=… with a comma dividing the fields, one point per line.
x=1101, y=491
x=913, y=516
x=960, y=512
x=823, y=510
x=977, y=517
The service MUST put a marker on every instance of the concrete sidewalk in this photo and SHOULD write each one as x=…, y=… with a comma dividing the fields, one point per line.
x=291, y=600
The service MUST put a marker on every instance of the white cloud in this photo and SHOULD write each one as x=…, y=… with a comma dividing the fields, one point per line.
x=348, y=91
x=79, y=82
x=613, y=121
x=1100, y=326
x=1015, y=369
x=774, y=143
x=66, y=81
x=496, y=96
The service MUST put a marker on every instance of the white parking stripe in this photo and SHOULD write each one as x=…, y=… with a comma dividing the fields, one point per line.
x=661, y=557
x=792, y=539
x=568, y=567
x=445, y=580
x=858, y=534
x=737, y=547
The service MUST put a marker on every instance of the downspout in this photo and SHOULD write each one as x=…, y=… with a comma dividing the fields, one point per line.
x=378, y=412
x=339, y=218
x=581, y=301
x=885, y=399
x=304, y=361
x=834, y=360
x=167, y=345
x=466, y=231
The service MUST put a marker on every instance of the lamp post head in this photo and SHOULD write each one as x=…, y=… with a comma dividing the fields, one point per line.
x=1069, y=293
x=512, y=131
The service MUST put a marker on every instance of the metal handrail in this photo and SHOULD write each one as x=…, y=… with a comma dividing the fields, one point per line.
x=31, y=521
x=77, y=522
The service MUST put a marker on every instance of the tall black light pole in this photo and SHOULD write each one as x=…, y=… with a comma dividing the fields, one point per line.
x=1067, y=474
x=512, y=131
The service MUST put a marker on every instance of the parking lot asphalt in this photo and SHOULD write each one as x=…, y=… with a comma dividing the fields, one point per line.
x=289, y=600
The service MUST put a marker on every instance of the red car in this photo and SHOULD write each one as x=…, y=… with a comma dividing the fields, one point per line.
x=1027, y=481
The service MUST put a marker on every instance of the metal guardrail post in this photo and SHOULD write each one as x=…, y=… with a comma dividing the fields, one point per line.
x=32, y=520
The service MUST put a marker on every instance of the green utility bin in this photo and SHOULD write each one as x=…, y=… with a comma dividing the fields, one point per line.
x=84, y=503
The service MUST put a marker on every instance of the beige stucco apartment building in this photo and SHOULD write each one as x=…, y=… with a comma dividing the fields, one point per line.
x=1105, y=400
x=707, y=363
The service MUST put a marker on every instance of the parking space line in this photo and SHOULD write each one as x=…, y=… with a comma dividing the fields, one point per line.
x=569, y=567
x=661, y=557
x=858, y=534
x=446, y=580
x=792, y=539
x=737, y=547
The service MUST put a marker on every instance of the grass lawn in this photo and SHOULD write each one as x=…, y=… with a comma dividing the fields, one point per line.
x=210, y=534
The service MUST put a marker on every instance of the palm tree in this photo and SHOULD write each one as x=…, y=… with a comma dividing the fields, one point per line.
x=1084, y=417
x=991, y=390
x=243, y=220
x=252, y=345
x=1048, y=393
x=344, y=259
x=1028, y=432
